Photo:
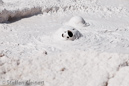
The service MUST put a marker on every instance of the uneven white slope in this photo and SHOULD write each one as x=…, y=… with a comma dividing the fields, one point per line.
x=18, y=9
x=28, y=49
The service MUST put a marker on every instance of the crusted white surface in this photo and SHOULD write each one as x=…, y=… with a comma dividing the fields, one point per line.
x=18, y=9
x=99, y=58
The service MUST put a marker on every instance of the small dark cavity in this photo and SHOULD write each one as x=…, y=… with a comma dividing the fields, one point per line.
x=45, y=53
x=4, y=72
x=27, y=84
x=62, y=35
x=73, y=29
x=63, y=69
x=18, y=62
x=67, y=37
x=70, y=33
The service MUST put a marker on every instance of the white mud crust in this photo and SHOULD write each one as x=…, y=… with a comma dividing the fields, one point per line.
x=82, y=68
x=28, y=50
x=121, y=78
x=14, y=9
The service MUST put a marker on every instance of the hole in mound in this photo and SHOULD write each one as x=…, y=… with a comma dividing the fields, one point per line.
x=70, y=33
x=62, y=35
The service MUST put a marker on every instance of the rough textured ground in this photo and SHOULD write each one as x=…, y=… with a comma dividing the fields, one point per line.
x=28, y=49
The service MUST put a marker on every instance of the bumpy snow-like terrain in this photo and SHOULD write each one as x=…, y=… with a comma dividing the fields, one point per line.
x=31, y=49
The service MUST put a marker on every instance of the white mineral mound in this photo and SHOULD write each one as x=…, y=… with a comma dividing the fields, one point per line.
x=77, y=21
x=67, y=33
